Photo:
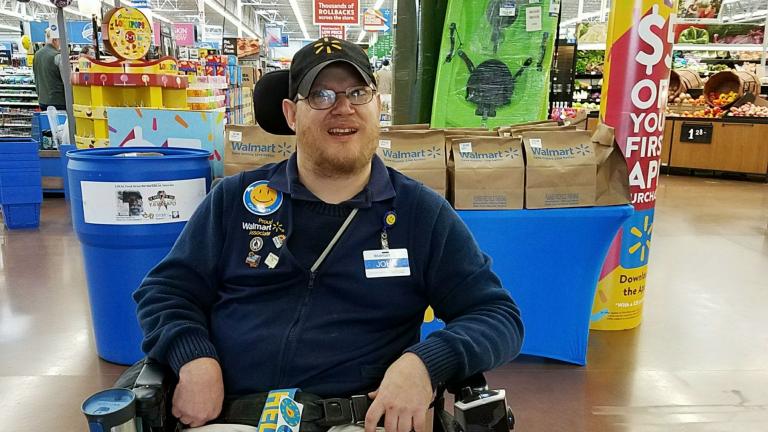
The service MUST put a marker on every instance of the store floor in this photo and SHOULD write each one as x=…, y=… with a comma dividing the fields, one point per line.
x=699, y=361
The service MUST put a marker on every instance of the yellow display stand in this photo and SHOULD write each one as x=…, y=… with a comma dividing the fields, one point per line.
x=127, y=82
x=99, y=85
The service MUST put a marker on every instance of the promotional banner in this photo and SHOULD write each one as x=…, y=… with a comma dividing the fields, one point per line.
x=339, y=12
x=635, y=87
x=377, y=20
x=184, y=34
x=78, y=32
x=273, y=35
x=337, y=31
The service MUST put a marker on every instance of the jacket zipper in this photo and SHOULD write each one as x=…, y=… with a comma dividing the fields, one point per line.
x=292, y=330
x=312, y=274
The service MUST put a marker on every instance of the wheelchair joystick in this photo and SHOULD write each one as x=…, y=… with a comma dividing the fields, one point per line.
x=483, y=410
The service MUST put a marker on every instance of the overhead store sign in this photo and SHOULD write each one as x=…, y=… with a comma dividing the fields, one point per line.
x=78, y=32
x=377, y=20
x=339, y=12
x=184, y=34
x=337, y=31
x=273, y=35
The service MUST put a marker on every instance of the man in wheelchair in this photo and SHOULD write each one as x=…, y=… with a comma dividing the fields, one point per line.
x=314, y=274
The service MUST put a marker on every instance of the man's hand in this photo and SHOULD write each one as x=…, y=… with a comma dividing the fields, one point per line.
x=402, y=398
x=200, y=392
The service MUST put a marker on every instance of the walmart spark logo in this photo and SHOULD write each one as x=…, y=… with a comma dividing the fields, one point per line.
x=583, y=150
x=284, y=149
x=643, y=241
x=434, y=152
x=327, y=44
x=511, y=153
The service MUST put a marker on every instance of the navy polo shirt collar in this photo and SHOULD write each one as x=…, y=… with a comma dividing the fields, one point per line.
x=379, y=187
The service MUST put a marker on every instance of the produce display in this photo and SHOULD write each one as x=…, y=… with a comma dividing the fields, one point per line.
x=698, y=8
x=587, y=106
x=715, y=112
x=723, y=99
x=592, y=33
x=748, y=110
x=693, y=35
x=589, y=62
x=687, y=99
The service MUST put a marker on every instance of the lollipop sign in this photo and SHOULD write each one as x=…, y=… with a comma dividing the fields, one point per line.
x=129, y=33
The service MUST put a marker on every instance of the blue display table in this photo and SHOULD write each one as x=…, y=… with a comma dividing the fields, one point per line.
x=550, y=261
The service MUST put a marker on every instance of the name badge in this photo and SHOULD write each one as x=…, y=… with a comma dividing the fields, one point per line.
x=386, y=263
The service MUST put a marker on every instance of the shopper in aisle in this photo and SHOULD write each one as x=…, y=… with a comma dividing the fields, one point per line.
x=48, y=82
x=315, y=272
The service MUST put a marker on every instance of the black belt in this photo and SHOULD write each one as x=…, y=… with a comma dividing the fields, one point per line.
x=318, y=415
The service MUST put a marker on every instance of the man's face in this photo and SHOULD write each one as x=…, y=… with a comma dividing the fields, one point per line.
x=340, y=140
x=56, y=43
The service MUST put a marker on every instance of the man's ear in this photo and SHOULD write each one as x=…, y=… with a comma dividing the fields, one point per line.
x=289, y=111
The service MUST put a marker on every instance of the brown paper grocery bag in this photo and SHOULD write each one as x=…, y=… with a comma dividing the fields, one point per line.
x=561, y=169
x=249, y=147
x=488, y=173
x=419, y=154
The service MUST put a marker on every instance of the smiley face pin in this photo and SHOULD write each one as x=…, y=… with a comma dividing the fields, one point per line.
x=262, y=200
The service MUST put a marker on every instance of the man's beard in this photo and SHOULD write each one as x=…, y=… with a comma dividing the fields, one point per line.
x=326, y=161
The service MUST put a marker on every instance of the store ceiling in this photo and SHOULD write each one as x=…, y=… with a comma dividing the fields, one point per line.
x=282, y=12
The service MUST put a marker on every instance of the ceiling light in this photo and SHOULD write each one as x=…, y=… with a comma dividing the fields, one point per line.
x=299, y=18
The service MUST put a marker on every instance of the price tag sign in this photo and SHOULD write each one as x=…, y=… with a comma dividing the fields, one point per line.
x=696, y=133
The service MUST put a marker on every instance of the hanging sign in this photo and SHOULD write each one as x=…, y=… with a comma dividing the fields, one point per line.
x=128, y=33
x=184, y=34
x=375, y=20
x=336, y=31
x=339, y=12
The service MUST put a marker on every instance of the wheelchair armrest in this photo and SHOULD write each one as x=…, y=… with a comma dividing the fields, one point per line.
x=153, y=388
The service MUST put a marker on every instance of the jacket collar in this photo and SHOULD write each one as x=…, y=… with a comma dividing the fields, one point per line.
x=379, y=188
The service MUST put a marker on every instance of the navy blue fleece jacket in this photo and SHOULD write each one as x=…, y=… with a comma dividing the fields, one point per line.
x=333, y=332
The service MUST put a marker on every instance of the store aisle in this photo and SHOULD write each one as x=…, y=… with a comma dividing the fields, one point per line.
x=699, y=362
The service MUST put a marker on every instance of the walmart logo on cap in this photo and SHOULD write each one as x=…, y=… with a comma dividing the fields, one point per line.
x=328, y=44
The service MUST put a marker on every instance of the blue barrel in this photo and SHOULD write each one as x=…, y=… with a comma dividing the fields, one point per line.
x=63, y=149
x=129, y=206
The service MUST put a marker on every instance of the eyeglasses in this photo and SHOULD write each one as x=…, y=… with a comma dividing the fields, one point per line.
x=324, y=99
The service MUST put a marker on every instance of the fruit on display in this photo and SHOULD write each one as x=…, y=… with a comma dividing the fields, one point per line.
x=687, y=99
x=715, y=112
x=749, y=110
x=722, y=99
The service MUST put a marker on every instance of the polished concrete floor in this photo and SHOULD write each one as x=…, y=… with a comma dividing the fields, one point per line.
x=699, y=361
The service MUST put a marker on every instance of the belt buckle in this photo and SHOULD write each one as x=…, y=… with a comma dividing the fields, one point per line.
x=360, y=405
x=336, y=411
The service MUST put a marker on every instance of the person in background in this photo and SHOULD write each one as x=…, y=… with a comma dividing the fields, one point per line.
x=48, y=82
x=384, y=77
x=86, y=50
x=384, y=80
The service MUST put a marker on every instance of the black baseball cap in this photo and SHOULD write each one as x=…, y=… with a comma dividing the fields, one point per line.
x=313, y=57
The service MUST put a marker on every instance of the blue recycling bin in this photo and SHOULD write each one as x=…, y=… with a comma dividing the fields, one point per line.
x=550, y=261
x=129, y=206
x=63, y=149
